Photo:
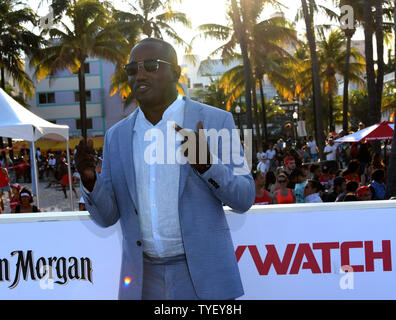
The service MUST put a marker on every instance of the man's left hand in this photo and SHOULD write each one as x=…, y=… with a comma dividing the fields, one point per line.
x=197, y=149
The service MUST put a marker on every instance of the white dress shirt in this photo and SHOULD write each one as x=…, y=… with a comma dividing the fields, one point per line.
x=157, y=173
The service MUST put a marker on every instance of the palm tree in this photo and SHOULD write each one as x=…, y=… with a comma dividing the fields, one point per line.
x=349, y=33
x=91, y=33
x=240, y=32
x=269, y=56
x=374, y=25
x=308, y=13
x=152, y=18
x=333, y=62
x=391, y=172
x=260, y=40
x=15, y=40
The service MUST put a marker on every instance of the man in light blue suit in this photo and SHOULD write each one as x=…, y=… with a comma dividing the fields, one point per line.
x=169, y=202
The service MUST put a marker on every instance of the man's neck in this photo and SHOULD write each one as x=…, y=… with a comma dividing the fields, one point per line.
x=154, y=113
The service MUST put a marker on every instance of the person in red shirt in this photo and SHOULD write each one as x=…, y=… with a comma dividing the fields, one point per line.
x=352, y=172
x=14, y=202
x=262, y=195
x=326, y=178
x=284, y=194
x=4, y=183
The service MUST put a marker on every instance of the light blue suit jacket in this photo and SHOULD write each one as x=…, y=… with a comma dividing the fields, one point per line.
x=206, y=236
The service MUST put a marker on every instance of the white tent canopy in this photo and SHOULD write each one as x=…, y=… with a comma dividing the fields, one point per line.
x=19, y=123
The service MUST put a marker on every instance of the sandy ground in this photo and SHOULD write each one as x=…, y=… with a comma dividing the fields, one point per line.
x=51, y=199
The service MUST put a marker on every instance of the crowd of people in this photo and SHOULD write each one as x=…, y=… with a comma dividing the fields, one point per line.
x=283, y=174
x=350, y=172
x=52, y=168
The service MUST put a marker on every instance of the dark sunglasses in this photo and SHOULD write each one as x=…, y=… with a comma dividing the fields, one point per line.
x=281, y=181
x=151, y=65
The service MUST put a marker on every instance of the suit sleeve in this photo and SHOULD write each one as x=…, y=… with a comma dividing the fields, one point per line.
x=101, y=202
x=229, y=176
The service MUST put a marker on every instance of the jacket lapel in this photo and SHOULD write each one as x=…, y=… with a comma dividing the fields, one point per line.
x=126, y=145
x=192, y=115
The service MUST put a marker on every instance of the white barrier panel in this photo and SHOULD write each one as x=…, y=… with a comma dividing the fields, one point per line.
x=283, y=252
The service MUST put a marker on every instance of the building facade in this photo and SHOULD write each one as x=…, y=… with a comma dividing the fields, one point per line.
x=56, y=99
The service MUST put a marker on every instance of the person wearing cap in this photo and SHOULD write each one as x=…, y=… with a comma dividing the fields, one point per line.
x=15, y=189
x=81, y=205
x=289, y=165
x=26, y=200
x=363, y=193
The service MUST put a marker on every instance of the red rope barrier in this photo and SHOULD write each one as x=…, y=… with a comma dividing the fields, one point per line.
x=13, y=148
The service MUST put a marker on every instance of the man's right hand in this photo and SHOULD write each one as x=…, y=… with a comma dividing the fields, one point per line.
x=86, y=164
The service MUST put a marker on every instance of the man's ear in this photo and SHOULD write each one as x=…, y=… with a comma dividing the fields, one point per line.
x=176, y=73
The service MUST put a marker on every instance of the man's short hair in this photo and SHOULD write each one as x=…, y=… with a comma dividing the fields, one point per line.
x=352, y=186
x=338, y=181
x=166, y=45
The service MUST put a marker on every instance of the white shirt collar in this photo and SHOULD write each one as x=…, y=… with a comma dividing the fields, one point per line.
x=175, y=107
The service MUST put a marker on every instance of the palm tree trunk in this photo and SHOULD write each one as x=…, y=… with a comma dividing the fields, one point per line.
x=371, y=85
x=331, y=111
x=9, y=140
x=2, y=79
x=391, y=172
x=241, y=34
x=345, y=100
x=372, y=89
x=263, y=108
x=308, y=17
x=379, y=34
x=256, y=118
x=1, y=138
x=83, y=101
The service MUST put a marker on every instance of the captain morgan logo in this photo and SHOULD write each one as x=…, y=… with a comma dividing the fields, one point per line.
x=58, y=269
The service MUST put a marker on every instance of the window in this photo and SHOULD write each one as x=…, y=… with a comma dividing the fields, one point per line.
x=197, y=85
x=45, y=98
x=77, y=96
x=89, y=123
